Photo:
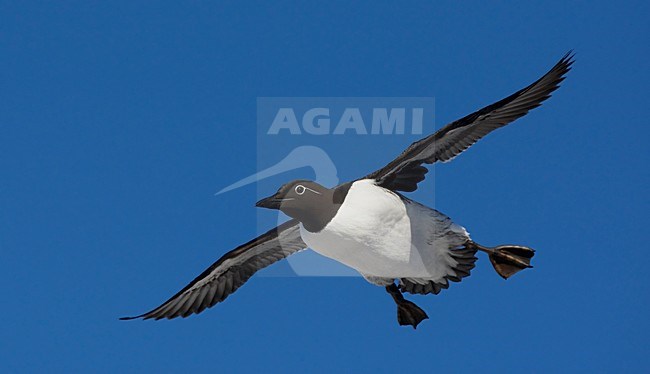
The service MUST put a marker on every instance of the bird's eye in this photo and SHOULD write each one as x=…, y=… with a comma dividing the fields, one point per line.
x=300, y=189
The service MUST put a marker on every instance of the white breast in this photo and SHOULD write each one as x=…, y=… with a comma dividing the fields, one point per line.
x=372, y=233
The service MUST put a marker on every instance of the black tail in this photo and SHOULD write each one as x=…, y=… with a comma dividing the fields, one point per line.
x=508, y=259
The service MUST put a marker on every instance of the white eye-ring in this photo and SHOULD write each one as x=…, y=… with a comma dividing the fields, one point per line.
x=300, y=189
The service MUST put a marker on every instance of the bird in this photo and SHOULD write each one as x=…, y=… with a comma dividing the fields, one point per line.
x=370, y=225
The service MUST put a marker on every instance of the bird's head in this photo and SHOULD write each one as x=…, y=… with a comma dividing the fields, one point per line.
x=298, y=199
x=308, y=202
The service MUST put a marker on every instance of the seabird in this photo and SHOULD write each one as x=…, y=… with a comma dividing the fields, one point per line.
x=370, y=226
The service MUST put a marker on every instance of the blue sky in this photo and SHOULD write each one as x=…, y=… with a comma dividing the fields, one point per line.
x=119, y=122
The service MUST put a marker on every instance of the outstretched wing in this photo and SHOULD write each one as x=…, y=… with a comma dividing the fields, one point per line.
x=406, y=171
x=229, y=272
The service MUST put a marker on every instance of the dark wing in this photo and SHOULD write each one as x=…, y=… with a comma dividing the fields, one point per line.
x=231, y=271
x=406, y=171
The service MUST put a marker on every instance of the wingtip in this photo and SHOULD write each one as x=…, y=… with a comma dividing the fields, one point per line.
x=142, y=316
x=568, y=59
x=563, y=67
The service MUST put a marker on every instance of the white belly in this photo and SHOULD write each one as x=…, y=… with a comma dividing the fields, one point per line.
x=377, y=234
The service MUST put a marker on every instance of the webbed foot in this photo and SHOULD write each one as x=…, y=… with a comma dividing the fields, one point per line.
x=409, y=314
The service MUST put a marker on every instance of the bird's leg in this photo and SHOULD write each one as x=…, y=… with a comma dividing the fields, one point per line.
x=407, y=312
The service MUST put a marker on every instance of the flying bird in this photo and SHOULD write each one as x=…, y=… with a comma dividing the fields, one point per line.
x=370, y=226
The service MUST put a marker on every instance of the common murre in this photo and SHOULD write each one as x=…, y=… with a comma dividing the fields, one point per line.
x=367, y=224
